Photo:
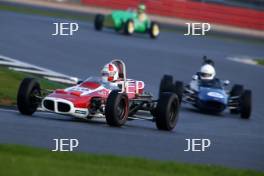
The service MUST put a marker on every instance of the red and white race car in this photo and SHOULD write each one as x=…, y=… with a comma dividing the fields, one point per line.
x=95, y=97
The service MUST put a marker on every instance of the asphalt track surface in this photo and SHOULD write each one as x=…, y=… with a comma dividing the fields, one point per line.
x=235, y=142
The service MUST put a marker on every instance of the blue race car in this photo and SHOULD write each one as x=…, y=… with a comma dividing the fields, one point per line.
x=211, y=96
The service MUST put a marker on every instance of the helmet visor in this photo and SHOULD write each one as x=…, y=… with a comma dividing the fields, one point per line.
x=106, y=74
x=206, y=75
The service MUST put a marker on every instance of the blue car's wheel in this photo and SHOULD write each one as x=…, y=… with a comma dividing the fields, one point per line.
x=236, y=91
x=245, y=104
x=179, y=89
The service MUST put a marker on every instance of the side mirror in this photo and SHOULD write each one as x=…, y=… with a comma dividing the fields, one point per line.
x=194, y=77
x=226, y=82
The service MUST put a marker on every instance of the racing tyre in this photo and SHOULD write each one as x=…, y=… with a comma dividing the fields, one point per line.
x=236, y=90
x=116, y=109
x=179, y=88
x=27, y=102
x=129, y=27
x=166, y=84
x=245, y=104
x=154, y=30
x=167, y=111
x=99, y=22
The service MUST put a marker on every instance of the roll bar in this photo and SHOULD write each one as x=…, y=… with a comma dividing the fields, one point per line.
x=122, y=68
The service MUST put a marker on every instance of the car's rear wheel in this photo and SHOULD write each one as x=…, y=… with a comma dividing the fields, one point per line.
x=129, y=27
x=166, y=84
x=246, y=104
x=166, y=113
x=99, y=22
x=236, y=91
x=116, y=109
x=154, y=30
x=27, y=100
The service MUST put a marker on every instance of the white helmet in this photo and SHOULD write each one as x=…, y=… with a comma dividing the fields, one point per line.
x=109, y=73
x=207, y=72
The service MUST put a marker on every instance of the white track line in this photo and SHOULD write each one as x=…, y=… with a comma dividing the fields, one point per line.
x=18, y=65
x=243, y=59
x=14, y=110
x=8, y=110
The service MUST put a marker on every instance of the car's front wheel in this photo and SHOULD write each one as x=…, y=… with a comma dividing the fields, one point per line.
x=245, y=104
x=179, y=89
x=27, y=96
x=154, y=30
x=116, y=109
x=236, y=91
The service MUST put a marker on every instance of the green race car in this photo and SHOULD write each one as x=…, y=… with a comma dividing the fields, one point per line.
x=127, y=22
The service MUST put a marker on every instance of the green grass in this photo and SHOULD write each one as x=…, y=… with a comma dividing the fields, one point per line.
x=260, y=61
x=19, y=160
x=10, y=81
